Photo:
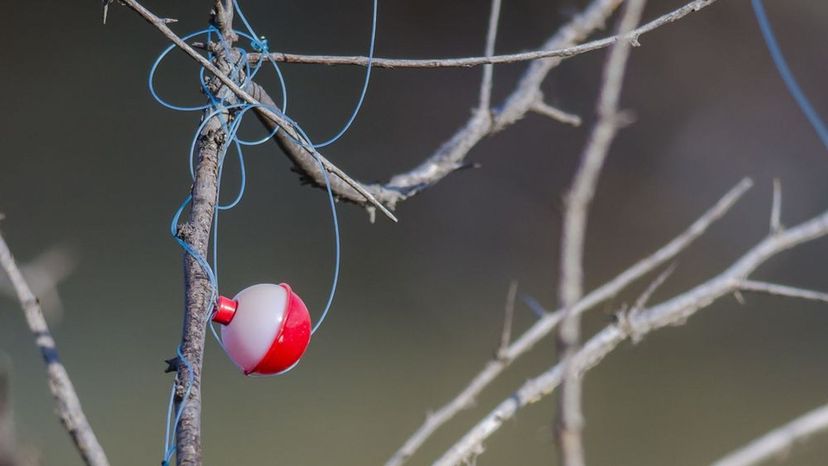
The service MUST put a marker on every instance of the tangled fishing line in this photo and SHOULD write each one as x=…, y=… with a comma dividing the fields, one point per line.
x=230, y=115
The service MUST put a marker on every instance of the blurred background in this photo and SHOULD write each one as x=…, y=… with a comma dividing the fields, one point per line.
x=92, y=165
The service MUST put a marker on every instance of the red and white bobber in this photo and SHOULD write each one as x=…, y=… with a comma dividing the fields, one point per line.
x=265, y=328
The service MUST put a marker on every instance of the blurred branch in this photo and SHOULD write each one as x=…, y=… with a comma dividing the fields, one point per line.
x=776, y=207
x=488, y=70
x=68, y=405
x=43, y=274
x=778, y=442
x=570, y=418
x=8, y=454
x=672, y=312
x=782, y=290
x=547, y=323
x=467, y=62
x=541, y=108
x=508, y=318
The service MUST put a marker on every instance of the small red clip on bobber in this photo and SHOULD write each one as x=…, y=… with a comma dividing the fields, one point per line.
x=265, y=328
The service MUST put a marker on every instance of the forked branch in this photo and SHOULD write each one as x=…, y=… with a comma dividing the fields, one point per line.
x=549, y=321
x=672, y=312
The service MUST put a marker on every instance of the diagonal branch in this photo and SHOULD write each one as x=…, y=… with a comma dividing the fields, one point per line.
x=783, y=291
x=547, y=323
x=68, y=405
x=779, y=441
x=672, y=312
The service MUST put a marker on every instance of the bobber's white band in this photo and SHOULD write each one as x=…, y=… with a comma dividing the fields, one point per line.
x=254, y=327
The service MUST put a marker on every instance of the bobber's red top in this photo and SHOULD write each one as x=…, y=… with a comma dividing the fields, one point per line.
x=266, y=328
x=225, y=309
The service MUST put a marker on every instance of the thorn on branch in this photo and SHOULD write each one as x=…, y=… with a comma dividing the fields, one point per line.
x=740, y=298
x=468, y=165
x=172, y=365
x=556, y=114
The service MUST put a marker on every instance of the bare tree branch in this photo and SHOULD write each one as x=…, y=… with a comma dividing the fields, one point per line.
x=488, y=70
x=450, y=157
x=782, y=290
x=779, y=441
x=776, y=207
x=212, y=145
x=8, y=443
x=547, y=323
x=541, y=108
x=43, y=275
x=467, y=62
x=68, y=405
x=570, y=421
x=263, y=109
x=508, y=318
x=672, y=312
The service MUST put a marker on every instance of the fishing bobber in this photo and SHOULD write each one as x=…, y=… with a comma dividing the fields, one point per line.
x=265, y=328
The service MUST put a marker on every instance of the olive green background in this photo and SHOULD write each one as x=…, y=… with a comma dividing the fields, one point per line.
x=90, y=162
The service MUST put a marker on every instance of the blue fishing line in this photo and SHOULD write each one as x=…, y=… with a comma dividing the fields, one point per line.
x=785, y=72
x=365, y=83
x=217, y=107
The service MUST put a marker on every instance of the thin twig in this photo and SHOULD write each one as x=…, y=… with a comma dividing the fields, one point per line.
x=547, y=323
x=570, y=416
x=776, y=208
x=467, y=62
x=509, y=315
x=556, y=114
x=68, y=405
x=782, y=290
x=674, y=311
x=642, y=301
x=644, y=298
x=779, y=441
x=488, y=70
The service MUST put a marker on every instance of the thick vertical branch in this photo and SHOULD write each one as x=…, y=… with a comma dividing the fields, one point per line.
x=197, y=294
x=570, y=417
x=68, y=405
x=197, y=287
